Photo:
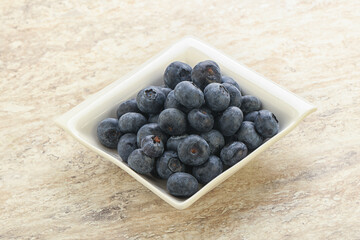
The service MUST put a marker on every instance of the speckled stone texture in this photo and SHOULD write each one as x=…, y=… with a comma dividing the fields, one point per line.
x=54, y=54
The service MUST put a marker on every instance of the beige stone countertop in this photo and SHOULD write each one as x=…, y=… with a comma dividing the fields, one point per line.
x=55, y=54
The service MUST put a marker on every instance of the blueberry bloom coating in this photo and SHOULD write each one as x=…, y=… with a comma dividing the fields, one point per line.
x=131, y=122
x=152, y=146
x=127, y=106
x=208, y=170
x=250, y=103
x=127, y=144
x=188, y=95
x=182, y=184
x=215, y=140
x=229, y=121
x=217, y=97
x=150, y=129
x=235, y=95
x=266, y=124
x=173, y=142
x=201, y=119
x=108, y=132
x=233, y=153
x=140, y=162
x=172, y=121
x=248, y=135
x=177, y=72
x=227, y=79
x=193, y=150
x=206, y=72
x=150, y=100
x=171, y=102
x=168, y=164
x=251, y=116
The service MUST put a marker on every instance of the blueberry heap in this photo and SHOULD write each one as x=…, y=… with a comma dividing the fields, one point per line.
x=189, y=130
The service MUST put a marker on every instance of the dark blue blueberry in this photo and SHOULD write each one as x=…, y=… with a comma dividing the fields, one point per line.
x=152, y=146
x=150, y=100
x=172, y=121
x=108, y=132
x=206, y=72
x=127, y=106
x=131, y=122
x=171, y=102
x=250, y=103
x=208, y=170
x=266, y=124
x=251, y=116
x=248, y=135
x=228, y=123
x=235, y=95
x=165, y=90
x=188, y=95
x=193, y=150
x=201, y=119
x=127, y=144
x=215, y=140
x=175, y=73
x=153, y=118
x=182, y=184
x=150, y=129
x=217, y=97
x=233, y=153
x=173, y=142
x=140, y=162
x=168, y=164
x=227, y=79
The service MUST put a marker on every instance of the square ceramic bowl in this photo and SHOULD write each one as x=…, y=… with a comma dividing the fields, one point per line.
x=82, y=120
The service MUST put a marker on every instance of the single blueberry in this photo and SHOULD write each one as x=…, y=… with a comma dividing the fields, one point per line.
x=152, y=146
x=171, y=102
x=266, y=124
x=251, y=116
x=131, y=122
x=227, y=79
x=193, y=150
x=206, y=72
x=173, y=142
x=201, y=119
x=208, y=170
x=250, y=103
x=150, y=100
x=127, y=106
x=153, y=118
x=217, y=97
x=188, y=95
x=235, y=95
x=175, y=73
x=182, y=184
x=172, y=121
x=228, y=123
x=150, y=129
x=127, y=144
x=233, y=153
x=215, y=140
x=108, y=132
x=168, y=164
x=140, y=162
x=248, y=135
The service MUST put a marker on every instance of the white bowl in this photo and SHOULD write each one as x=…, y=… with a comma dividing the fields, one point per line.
x=82, y=120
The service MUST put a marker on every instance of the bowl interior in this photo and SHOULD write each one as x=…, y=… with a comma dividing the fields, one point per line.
x=84, y=120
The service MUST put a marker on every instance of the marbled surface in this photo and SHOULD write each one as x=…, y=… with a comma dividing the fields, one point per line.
x=54, y=54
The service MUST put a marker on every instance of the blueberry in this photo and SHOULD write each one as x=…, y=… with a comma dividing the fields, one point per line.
x=190, y=96
x=251, y=116
x=217, y=97
x=173, y=142
x=171, y=102
x=208, y=170
x=108, y=132
x=193, y=150
x=172, y=121
x=177, y=72
x=165, y=90
x=233, y=153
x=150, y=129
x=168, y=164
x=182, y=184
x=153, y=118
x=235, y=95
x=229, y=121
x=152, y=146
x=127, y=106
x=215, y=140
x=250, y=103
x=227, y=79
x=140, y=162
x=131, y=122
x=266, y=124
x=248, y=135
x=201, y=119
x=206, y=72
x=127, y=144
x=150, y=100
